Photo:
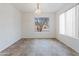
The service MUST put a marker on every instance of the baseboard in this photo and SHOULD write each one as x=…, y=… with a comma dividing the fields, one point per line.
x=38, y=38
x=73, y=42
x=8, y=45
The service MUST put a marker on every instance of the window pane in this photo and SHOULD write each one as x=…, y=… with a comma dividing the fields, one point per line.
x=62, y=24
x=70, y=22
x=77, y=21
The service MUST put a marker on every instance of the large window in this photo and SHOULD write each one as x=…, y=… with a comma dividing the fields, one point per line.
x=68, y=22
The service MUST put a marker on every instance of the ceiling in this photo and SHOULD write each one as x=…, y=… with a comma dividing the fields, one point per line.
x=45, y=7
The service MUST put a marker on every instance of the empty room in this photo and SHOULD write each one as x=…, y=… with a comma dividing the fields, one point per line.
x=39, y=29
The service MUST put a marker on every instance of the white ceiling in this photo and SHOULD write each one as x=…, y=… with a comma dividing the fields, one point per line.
x=45, y=7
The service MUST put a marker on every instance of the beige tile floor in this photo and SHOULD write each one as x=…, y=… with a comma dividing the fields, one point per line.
x=38, y=47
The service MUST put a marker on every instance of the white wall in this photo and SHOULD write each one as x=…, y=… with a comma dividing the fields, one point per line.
x=28, y=26
x=10, y=25
x=69, y=41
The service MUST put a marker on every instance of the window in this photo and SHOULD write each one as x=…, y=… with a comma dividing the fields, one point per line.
x=62, y=24
x=41, y=24
x=77, y=20
x=68, y=22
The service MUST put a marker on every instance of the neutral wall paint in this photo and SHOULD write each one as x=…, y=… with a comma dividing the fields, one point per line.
x=28, y=26
x=10, y=25
x=69, y=41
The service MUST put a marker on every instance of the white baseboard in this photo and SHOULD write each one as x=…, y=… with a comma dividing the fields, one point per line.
x=7, y=44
